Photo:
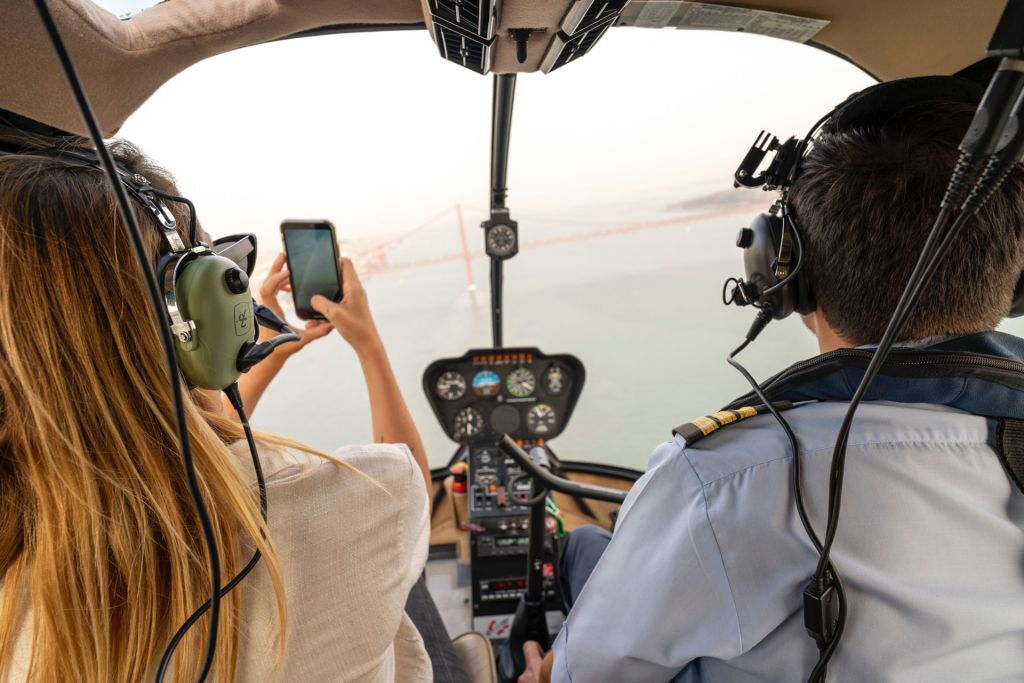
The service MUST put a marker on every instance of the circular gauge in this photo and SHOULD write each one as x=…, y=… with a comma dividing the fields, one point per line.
x=501, y=240
x=468, y=423
x=521, y=382
x=451, y=386
x=486, y=383
x=505, y=419
x=541, y=418
x=556, y=379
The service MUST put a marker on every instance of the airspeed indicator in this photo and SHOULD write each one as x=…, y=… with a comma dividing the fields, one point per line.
x=451, y=386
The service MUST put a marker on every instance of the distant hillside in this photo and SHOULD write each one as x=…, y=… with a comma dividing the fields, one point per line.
x=722, y=199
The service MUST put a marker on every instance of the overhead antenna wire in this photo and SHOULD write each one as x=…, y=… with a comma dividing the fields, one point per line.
x=163, y=329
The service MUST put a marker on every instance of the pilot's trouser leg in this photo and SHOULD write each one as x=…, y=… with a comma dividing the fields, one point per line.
x=580, y=552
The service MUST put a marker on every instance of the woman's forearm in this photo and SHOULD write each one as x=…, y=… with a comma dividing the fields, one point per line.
x=392, y=422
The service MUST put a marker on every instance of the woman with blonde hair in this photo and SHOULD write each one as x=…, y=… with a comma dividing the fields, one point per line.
x=101, y=554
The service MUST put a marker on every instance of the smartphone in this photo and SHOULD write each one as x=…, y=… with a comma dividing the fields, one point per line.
x=312, y=253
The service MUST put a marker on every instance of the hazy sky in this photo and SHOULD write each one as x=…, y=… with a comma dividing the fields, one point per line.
x=376, y=132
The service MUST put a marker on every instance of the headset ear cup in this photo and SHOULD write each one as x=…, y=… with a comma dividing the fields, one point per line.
x=805, y=294
x=760, y=244
x=223, y=318
x=1017, y=307
x=803, y=282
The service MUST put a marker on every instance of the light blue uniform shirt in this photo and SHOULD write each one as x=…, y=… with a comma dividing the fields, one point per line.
x=704, y=575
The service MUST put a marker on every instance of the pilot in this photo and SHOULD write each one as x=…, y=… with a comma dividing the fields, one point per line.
x=703, y=578
x=101, y=557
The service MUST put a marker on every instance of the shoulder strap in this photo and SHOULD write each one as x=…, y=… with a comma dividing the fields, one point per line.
x=1010, y=448
x=696, y=430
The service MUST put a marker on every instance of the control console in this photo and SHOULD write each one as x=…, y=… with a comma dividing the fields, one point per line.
x=499, y=536
x=477, y=398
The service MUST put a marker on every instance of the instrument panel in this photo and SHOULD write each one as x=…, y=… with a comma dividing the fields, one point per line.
x=521, y=391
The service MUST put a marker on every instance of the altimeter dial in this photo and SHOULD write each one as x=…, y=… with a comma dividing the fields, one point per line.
x=541, y=419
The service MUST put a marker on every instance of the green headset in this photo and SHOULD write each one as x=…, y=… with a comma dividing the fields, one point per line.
x=210, y=310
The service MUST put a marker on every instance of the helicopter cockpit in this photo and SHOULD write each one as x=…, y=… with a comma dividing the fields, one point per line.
x=577, y=294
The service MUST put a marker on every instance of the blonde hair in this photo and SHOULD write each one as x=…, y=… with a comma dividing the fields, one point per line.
x=99, y=540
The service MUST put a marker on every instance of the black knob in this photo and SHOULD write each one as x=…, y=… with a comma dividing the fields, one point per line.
x=744, y=238
x=236, y=280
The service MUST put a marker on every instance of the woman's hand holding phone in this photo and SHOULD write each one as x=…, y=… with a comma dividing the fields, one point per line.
x=277, y=281
x=392, y=422
x=351, y=316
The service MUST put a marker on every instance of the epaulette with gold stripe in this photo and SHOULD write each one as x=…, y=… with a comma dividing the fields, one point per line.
x=696, y=430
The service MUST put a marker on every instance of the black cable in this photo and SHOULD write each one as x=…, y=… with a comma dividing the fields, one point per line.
x=895, y=326
x=236, y=402
x=799, y=255
x=990, y=118
x=163, y=327
x=930, y=254
x=900, y=316
x=824, y=650
x=798, y=494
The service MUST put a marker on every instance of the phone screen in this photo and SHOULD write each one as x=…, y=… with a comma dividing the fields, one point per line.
x=312, y=263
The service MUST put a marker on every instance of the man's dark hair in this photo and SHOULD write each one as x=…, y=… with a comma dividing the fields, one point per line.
x=866, y=198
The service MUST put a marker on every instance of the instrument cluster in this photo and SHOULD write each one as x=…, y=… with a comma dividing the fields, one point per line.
x=521, y=392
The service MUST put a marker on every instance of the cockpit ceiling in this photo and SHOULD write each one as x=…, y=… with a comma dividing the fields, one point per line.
x=122, y=63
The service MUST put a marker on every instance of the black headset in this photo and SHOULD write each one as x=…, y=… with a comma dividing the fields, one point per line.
x=774, y=244
x=777, y=283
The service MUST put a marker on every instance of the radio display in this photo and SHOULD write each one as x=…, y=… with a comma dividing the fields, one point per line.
x=510, y=541
x=504, y=585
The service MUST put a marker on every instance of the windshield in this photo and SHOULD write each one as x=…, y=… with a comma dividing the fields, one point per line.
x=620, y=178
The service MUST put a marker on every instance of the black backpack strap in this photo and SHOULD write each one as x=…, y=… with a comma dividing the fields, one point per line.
x=1010, y=448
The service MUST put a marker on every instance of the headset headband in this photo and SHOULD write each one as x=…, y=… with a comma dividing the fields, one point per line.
x=870, y=106
x=873, y=104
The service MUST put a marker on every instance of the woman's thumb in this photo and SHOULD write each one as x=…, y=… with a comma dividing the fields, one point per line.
x=322, y=305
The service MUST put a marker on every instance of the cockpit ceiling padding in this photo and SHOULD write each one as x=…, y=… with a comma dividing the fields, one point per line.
x=122, y=63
